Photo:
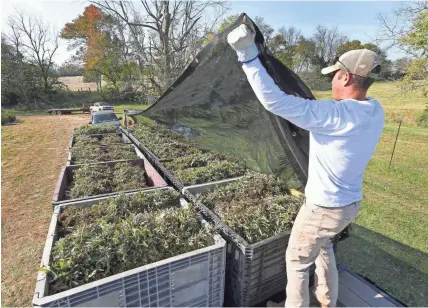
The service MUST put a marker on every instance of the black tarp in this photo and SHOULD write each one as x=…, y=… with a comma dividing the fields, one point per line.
x=213, y=102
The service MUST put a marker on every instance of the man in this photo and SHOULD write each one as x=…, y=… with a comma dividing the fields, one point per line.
x=344, y=132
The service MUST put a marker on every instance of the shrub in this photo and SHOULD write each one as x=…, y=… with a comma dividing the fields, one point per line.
x=423, y=119
x=7, y=117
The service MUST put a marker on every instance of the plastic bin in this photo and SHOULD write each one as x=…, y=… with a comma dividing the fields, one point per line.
x=192, y=279
x=254, y=272
x=154, y=179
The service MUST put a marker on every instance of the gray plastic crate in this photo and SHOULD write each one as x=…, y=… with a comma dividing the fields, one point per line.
x=254, y=272
x=154, y=179
x=192, y=279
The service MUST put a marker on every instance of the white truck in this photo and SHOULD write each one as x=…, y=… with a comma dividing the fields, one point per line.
x=101, y=107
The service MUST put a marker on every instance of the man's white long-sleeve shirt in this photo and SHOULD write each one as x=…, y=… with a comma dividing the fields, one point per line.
x=343, y=137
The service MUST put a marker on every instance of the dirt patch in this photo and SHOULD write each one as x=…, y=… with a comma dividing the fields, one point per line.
x=33, y=153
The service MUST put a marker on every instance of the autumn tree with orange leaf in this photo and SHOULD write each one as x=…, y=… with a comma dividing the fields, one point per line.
x=86, y=35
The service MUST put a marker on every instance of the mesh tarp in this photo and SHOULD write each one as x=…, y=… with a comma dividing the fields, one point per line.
x=213, y=103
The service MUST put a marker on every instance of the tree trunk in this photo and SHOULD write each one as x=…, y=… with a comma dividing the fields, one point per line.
x=99, y=80
x=46, y=85
x=164, y=35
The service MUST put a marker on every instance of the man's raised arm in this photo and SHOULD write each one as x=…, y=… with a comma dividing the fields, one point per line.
x=308, y=114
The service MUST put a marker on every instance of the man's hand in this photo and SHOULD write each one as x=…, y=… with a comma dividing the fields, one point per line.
x=241, y=40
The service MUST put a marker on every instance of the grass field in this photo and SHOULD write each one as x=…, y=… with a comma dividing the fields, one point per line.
x=389, y=242
x=396, y=104
x=118, y=109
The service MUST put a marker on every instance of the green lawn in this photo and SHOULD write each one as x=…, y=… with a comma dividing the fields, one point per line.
x=118, y=109
x=395, y=103
x=389, y=243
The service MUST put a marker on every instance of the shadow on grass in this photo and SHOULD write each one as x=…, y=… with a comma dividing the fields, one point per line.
x=398, y=269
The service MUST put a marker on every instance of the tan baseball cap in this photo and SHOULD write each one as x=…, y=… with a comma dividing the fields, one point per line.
x=360, y=62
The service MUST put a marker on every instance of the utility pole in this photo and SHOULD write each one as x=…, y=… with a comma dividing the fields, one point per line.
x=395, y=143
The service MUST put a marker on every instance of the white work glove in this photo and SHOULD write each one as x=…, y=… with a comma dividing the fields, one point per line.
x=241, y=40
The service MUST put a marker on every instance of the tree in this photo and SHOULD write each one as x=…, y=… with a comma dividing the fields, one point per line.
x=409, y=32
x=86, y=35
x=35, y=41
x=70, y=69
x=228, y=21
x=285, y=47
x=348, y=46
x=305, y=53
x=20, y=80
x=399, y=68
x=264, y=28
x=11, y=83
x=165, y=36
x=326, y=43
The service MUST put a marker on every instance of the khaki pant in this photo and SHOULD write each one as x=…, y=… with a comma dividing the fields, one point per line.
x=310, y=241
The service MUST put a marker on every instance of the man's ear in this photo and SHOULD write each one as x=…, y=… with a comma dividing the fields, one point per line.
x=347, y=78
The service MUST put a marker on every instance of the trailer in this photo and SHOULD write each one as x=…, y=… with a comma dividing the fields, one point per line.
x=60, y=111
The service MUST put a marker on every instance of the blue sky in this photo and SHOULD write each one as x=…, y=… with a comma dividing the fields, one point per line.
x=356, y=20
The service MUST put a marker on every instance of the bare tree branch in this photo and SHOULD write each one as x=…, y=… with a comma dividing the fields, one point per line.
x=37, y=43
x=175, y=29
